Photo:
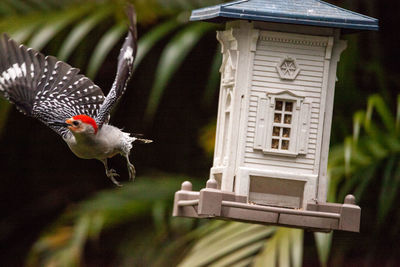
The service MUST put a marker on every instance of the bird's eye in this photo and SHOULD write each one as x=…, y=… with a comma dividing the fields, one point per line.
x=75, y=123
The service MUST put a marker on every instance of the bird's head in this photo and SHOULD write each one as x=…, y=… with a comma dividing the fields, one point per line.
x=82, y=124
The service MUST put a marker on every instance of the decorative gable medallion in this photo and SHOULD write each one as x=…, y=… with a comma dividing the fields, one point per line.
x=288, y=68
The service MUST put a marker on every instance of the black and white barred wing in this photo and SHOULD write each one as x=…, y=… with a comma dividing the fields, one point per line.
x=43, y=87
x=126, y=59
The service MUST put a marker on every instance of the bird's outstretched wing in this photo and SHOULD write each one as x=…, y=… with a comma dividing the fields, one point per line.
x=43, y=87
x=124, y=72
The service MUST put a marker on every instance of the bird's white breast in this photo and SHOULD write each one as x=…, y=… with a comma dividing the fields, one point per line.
x=108, y=142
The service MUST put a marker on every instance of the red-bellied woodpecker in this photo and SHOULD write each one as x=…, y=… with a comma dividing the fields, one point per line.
x=69, y=103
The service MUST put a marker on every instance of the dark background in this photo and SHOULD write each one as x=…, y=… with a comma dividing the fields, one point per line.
x=40, y=177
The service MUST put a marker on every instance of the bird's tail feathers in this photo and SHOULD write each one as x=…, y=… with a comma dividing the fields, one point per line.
x=143, y=141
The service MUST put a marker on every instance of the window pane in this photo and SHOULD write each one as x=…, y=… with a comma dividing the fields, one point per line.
x=275, y=143
x=277, y=118
x=278, y=105
x=285, y=144
x=276, y=131
x=288, y=119
x=288, y=106
x=286, y=132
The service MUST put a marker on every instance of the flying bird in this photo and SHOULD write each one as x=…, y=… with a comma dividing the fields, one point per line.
x=68, y=102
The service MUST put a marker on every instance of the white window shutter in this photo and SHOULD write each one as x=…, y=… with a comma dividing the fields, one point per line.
x=261, y=123
x=304, y=125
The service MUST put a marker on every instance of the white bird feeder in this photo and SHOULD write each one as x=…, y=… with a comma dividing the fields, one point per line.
x=275, y=109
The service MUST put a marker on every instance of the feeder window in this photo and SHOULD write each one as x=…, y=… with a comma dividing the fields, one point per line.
x=282, y=124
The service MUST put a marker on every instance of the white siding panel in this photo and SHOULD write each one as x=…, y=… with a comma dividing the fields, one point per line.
x=290, y=48
x=280, y=54
x=308, y=83
x=249, y=141
x=281, y=163
x=264, y=68
x=316, y=69
x=253, y=108
x=296, y=82
x=302, y=62
x=314, y=109
x=252, y=119
x=275, y=89
x=300, y=76
x=251, y=125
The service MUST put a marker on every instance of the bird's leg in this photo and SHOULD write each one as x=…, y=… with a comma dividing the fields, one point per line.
x=111, y=173
x=131, y=168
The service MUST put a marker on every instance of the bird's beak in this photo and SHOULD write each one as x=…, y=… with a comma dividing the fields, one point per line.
x=59, y=123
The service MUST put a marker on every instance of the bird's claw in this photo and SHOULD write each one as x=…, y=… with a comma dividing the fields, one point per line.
x=111, y=173
x=132, y=172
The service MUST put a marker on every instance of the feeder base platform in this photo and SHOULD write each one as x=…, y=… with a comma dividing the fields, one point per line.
x=211, y=202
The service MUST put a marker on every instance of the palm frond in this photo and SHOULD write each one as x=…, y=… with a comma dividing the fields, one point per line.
x=148, y=40
x=229, y=243
x=104, y=46
x=239, y=244
x=373, y=149
x=80, y=31
x=171, y=59
x=148, y=197
x=323, y=242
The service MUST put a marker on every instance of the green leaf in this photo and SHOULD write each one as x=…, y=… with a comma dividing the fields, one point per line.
x=40, y=4
x=376, y=102
x=19, y=6
x=80, y=31
x=105, y=44
x=21, y=35
x=283, y=249
x=268, y=257
x=96, y=226
x=55, y=24
x=225, y=230
x=81, y=232
x=348, y=149
x=358, y=120
x=367, y=175
x=159, y=214
x=99, y=213
x=235, y=259
x=213, y=78
x=172, y=57
x=231, y=242
x=398, y=116
x=147, y=41
x=296, y=247
x=323, y=241
x=6, y=9
x=390, y=186
x=234, y=244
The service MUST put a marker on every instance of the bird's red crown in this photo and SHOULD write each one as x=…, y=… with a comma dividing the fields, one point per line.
x=86, y=119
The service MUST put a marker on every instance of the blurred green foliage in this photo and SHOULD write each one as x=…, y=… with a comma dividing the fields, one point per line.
x=133, y=226
x=140, y=211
